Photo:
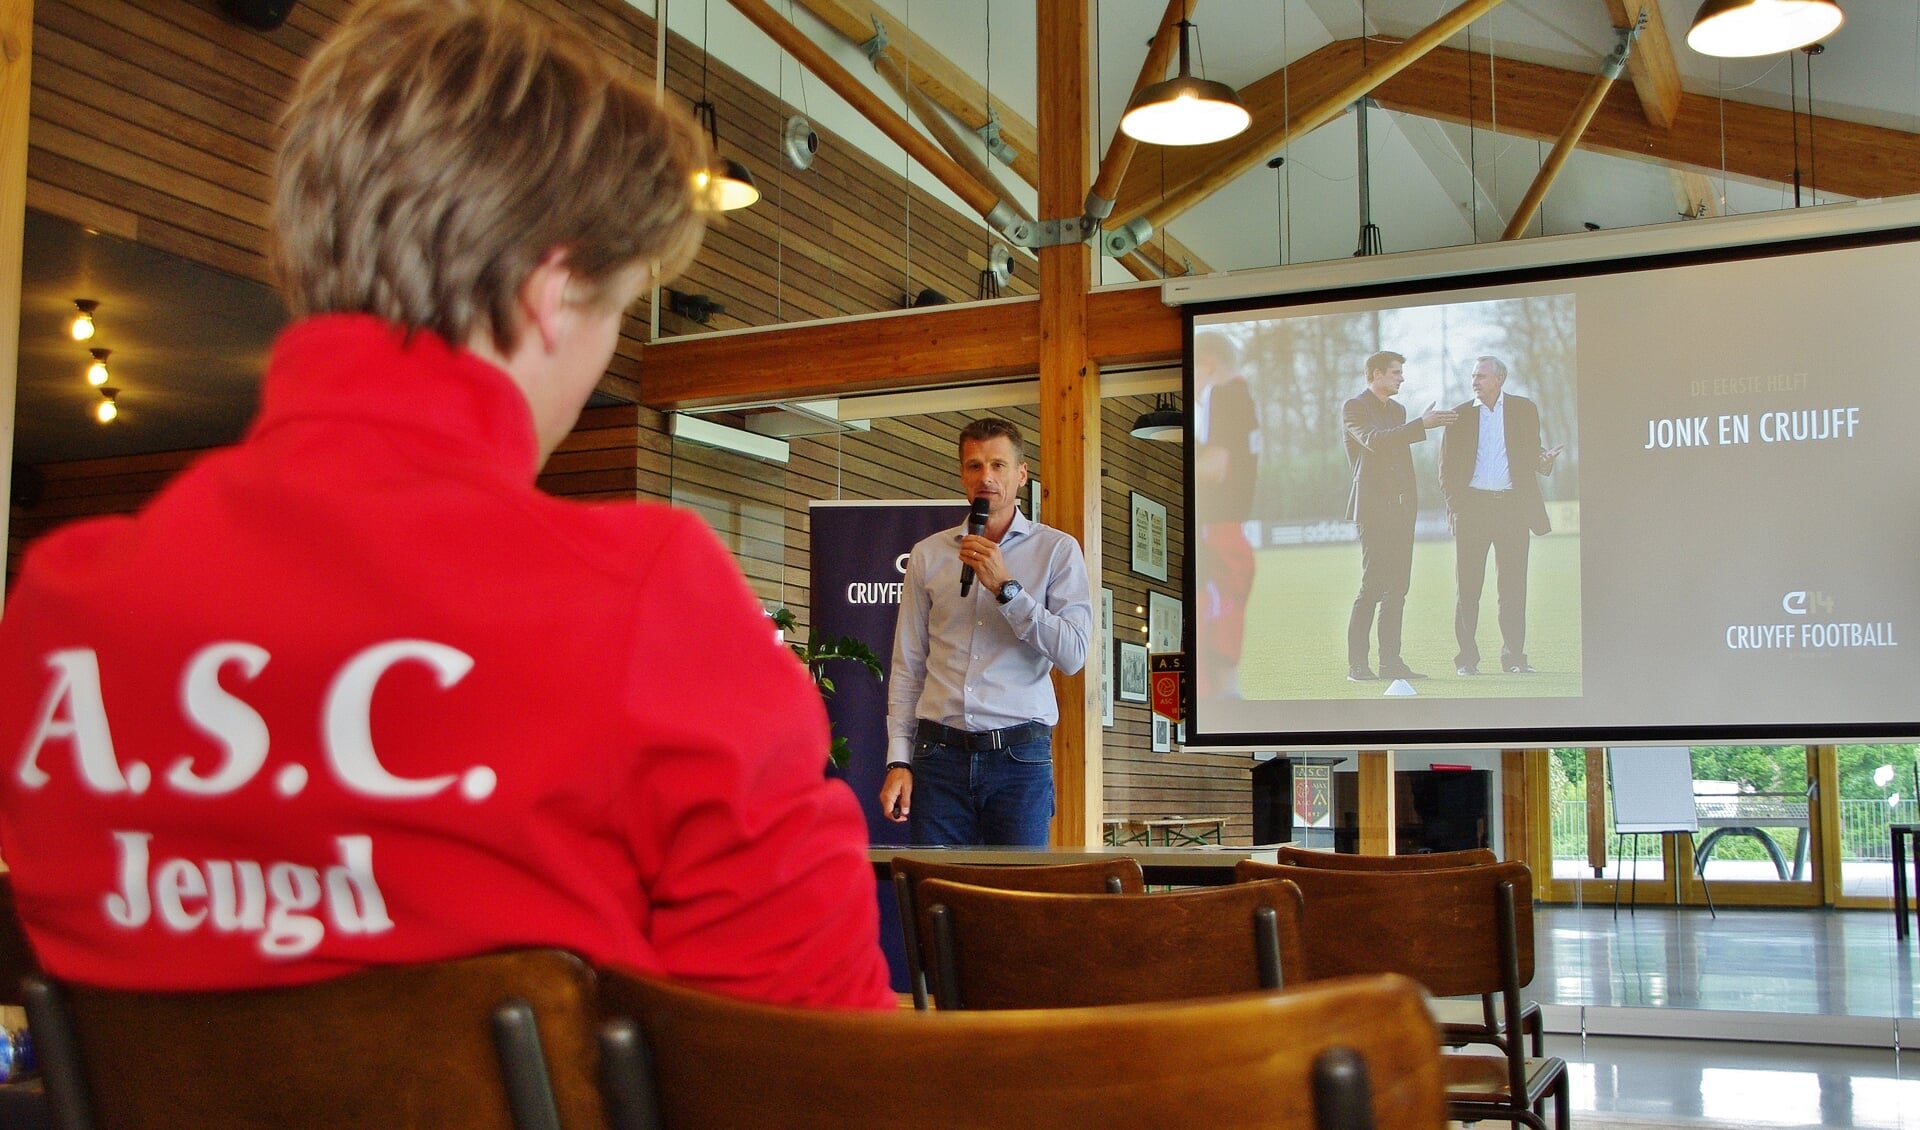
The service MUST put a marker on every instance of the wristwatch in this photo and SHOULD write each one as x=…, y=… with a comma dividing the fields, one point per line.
x=1008, y=591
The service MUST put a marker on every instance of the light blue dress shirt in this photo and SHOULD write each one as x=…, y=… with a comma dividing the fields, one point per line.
x=973, y=663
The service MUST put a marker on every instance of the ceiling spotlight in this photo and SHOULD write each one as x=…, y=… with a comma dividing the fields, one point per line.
x=1739, y=29
x=1165, y=422
x=106, y=410
x=97, y=372
x=82, y=327
x=1185, y=110
x=799, y=142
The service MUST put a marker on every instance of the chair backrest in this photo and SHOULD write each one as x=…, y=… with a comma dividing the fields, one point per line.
x=1430, y=861
x=1024, y=949
x=692, y=1060
x=1444, y=928
x=1119, y=875
x=456, y=1044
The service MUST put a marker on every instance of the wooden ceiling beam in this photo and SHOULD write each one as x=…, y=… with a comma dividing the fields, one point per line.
x=1655, y=73
x=950, y=87
x=1245, y=155
x=1556, y=159
x=944, y=81
x=862, y=98
x=1535, y=101
x=928, y=348
x=1121, y=146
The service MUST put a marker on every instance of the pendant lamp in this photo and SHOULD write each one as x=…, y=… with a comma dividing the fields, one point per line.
x=1165, y=422
x=727, y=183
x=1185, y=110
x=1738, y=29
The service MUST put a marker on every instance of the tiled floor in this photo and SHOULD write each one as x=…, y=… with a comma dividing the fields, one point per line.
x=1810, y=1008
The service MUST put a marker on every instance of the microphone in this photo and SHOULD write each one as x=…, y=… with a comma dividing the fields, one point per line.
x=976, y=524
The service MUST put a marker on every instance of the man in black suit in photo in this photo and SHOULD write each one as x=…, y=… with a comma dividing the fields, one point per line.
x=1490, y=464
x=1383, y=503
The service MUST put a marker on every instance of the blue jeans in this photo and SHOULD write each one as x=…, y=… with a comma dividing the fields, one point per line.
x=994, y=796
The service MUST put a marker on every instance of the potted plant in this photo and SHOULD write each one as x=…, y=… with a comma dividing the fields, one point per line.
x=816, y=653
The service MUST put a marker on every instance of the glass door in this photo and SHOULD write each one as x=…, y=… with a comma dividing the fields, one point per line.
x=1758, y=843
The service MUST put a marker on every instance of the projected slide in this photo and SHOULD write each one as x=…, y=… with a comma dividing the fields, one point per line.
x=1668, y=503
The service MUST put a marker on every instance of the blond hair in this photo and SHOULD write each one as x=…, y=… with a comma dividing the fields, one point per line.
x=435, y=151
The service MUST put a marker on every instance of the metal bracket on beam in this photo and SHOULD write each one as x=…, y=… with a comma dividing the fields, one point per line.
x=1616, y=62
x=878, y=43
x=1125, y=238
x=996, y=145
x=1044, y=233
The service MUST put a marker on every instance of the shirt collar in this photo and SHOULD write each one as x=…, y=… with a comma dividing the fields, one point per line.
x=1019, y=527
x=357, y=368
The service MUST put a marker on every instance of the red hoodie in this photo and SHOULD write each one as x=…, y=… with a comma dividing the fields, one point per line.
x=354, y=693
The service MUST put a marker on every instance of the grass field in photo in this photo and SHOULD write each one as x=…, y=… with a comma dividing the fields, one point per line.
x=1296, y=641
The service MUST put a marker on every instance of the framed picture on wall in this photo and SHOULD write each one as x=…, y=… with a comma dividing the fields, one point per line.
x=1133, y=672
x=1106, y=657
x=1162, y=735
x=1149, y=537
x=1164, y=623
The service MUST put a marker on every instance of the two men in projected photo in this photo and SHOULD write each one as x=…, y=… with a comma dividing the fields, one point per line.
x=1491, y=463
x=1383, y=503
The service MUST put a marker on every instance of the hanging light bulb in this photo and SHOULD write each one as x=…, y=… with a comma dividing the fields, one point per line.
x=82, y=327
x=1739, y=29
x=1185, y=110
x=106, y=410
x=726, y=184
x=97, y=372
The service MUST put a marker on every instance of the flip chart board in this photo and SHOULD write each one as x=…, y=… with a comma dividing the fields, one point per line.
x=1652, y=789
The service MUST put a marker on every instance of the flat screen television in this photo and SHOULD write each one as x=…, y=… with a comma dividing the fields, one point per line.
x=1727, y=546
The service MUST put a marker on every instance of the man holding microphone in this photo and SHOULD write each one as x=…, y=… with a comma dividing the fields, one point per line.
x=987, y=611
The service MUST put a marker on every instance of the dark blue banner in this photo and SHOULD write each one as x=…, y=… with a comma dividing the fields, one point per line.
x=859, y=561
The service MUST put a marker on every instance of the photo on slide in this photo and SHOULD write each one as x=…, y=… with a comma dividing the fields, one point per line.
x=1519, y=634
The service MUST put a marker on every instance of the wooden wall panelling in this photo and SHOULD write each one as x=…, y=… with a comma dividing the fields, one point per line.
x=1139, y=782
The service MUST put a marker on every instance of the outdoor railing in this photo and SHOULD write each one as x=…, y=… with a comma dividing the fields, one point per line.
x=1863, y=829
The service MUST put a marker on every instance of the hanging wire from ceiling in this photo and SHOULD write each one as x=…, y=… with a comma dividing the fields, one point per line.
x=1473, y=146
x=780, y=220
x=906, y=164
x=1286, y=137
x=1812, y=50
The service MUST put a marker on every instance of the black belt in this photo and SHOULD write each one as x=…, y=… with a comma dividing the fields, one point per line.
x=972, y=740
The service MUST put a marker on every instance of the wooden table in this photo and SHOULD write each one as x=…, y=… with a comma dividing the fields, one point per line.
x=1189, y=866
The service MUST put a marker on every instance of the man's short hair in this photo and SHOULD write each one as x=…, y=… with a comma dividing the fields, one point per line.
x=435, y=151
x=1216, y=350
x=1490, y=359
x=1379, y=361
x=992, y=427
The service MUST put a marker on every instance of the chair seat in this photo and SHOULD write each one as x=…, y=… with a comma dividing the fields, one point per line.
x=1481, y=1081
x=1463, y=1020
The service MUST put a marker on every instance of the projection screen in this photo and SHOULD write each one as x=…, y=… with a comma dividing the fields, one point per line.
x=1726, y=541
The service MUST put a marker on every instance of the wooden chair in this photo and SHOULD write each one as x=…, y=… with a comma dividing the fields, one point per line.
x=1431, y=861
x=499, y=1042
x=1461, y=1021
x=1021, y=949
x=1338, y=1056
x=1464, y=931
x=1118, y=875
